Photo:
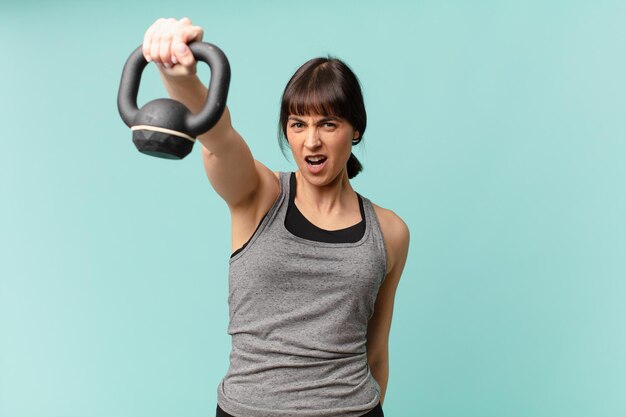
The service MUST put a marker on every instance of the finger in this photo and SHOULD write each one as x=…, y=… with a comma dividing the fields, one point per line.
x=183, y=54
x=187, y=34
x=165, y=46
x=155, y=43
x=180, y=50
x=198, y=33
x=166, y=41
x=191, y=34
x=147, y=38
x=180, y=26
x=187, y=31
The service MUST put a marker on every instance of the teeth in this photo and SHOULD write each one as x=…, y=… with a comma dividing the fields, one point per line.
x=315, y=158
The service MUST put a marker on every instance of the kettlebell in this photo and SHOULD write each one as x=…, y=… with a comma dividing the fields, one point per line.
x=166, y=128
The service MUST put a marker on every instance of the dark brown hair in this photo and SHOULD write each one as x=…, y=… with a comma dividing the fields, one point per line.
x=325, y=86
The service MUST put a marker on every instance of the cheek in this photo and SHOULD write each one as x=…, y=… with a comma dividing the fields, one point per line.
x=293, y=137
x=347, y=142
x=342, y=149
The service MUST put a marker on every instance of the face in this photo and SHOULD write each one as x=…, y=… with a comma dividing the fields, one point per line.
x=321, y=145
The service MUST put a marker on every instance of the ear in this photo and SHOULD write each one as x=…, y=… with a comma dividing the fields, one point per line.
x=357, y=134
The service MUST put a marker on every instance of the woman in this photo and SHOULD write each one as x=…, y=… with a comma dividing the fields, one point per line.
x=315, y=265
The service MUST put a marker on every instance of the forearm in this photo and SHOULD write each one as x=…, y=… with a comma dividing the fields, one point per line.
x=380, y=372
x=192, y=93
x=189, y=90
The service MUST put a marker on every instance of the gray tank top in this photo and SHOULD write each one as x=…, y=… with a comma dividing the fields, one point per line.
x=298, y=314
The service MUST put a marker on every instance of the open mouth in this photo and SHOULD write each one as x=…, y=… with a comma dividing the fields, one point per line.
x=315, y=160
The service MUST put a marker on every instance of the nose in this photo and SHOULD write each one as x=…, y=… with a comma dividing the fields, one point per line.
x=313, y=138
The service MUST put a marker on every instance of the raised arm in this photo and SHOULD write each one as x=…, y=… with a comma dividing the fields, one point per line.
x=228, y=162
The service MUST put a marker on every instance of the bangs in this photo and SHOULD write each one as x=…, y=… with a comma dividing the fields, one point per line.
x=320, y=94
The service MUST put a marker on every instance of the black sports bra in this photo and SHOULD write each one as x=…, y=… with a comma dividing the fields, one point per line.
x=298, y=225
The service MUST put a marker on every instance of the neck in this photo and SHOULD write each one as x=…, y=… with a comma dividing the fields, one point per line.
x=334, y=197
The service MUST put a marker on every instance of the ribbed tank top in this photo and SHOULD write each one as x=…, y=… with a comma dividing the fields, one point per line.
x=298, y=314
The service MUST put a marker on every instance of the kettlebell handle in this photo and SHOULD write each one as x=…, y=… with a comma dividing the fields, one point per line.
x=195, y=124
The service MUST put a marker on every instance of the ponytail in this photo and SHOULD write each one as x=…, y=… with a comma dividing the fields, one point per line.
x=354, y=166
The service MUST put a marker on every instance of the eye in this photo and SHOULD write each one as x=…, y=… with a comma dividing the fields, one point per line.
x=296, y=125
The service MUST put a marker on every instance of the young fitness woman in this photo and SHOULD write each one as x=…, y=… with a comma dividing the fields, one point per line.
x=315, y=265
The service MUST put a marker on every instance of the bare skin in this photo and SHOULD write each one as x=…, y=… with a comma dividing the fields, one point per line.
x=326, y=198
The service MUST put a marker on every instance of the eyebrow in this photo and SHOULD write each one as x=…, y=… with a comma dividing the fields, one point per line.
x=322, y=120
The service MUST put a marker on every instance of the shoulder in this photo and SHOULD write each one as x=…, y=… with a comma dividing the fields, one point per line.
x=393, y=227
x=396, y=235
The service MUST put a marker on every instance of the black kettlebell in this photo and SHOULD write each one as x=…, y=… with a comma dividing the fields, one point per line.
x=165, y=128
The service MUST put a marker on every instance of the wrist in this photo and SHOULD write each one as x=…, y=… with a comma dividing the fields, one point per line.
x=179, y=79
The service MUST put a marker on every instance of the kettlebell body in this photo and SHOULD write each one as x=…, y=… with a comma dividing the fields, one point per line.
x=166, y=128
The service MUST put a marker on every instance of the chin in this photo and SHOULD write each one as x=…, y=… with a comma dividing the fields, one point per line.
x=324, y=178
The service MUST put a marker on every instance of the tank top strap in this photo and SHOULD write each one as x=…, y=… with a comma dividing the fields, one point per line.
x=276, y=212
x=375, y=230
x=284, y=184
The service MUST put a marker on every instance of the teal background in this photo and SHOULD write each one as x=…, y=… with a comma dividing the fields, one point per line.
x=496, y=130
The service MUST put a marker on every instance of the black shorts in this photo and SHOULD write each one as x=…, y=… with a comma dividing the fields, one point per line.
x=374, y=412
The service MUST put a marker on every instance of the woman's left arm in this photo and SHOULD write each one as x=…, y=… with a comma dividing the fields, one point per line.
x=396, y=235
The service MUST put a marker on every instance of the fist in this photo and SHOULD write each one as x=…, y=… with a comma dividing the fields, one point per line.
x=165, y=43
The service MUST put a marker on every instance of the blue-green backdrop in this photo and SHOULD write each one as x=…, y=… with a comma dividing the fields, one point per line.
x=496, y=130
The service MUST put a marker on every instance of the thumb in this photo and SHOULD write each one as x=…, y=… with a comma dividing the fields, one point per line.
x=183, y=54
